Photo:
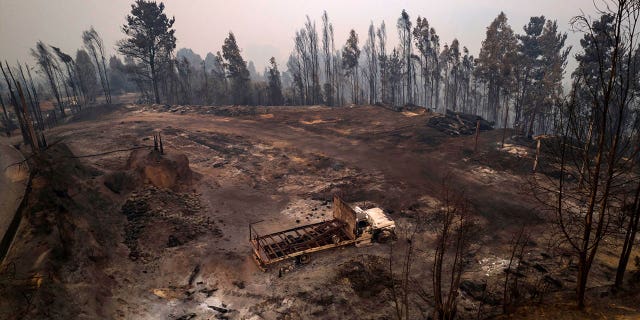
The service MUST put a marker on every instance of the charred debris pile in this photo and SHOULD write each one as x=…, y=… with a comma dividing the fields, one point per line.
x=457, y=123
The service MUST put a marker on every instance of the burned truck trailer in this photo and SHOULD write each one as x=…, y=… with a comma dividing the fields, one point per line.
x=348, y=226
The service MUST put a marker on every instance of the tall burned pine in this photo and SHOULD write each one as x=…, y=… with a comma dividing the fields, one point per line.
x=495, y=63
x=371, y=53
x=47, y=66
x=383, y=62
x=435, y=69
x=314, y=62
x=404, y=33
x=540, y=63
x=294, y=67
x=150, y=40
x=327, y=43
x=422, y=36
x=93, y=43
x=275, y=84
x=71, y=75
x=87, y=80
x=350, y=58
x=237, y=71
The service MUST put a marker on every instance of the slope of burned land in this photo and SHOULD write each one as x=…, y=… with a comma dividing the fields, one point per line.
x=146, y=252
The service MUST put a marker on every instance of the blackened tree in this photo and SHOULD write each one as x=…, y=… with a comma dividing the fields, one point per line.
x=47, y=65
x=495, y=62
x=404, y=31
x=275, y=85
x=93, y=43
x=237, y=71
x=86, y=76
x=150, y=39
x=350, y=57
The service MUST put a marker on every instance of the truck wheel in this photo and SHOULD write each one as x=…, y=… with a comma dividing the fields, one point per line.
x=304, y=259
x=384, y=236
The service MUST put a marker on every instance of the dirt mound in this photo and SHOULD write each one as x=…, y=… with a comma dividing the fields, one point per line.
x=222, y=111
x=456, y=123
x=167, y=171
x=410, y=107
x=407, y=108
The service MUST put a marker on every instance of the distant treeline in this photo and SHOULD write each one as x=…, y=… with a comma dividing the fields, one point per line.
x=515, y=81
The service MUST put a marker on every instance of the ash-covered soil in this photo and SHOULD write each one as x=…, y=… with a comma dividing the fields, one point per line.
x=139, y=251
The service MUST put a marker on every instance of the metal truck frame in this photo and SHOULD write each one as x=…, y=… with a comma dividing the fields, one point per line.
x=341, y=231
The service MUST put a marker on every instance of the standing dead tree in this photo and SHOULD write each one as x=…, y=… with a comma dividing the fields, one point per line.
x=47, y=66
x=30, y=133
x=35, y=145
x=456, y=232
x=304, y=61
x=33, y=112
x=33, y=97
x=510, y=289
x=71, y=76
x=314, y=64
x=8, y=77
x=371, y=57
x=327, y=49
x=5, y=118
x=93, y=43
x=383, y=62
x=350, y=58
x=632, y=214
x=404, y=34
x=401, y=283
x=595, y=136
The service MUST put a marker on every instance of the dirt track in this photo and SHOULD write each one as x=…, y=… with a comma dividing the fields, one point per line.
x=281, y=165
x=400, y=148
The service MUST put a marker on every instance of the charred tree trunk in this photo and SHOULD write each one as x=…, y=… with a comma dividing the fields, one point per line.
x=154, y=80
x=106, y=78
x=36, y=100
x=506, y=119
x=14, y=102
x=629, y=239
x=25, y=111
x=5, y=118
x=32, y=101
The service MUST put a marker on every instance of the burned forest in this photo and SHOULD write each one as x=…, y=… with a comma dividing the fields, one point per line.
x=320, y=160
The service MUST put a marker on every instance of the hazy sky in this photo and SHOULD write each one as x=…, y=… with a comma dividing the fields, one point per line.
x=264, y=28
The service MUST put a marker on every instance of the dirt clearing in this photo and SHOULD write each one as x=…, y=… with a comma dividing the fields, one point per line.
x=145, y=249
